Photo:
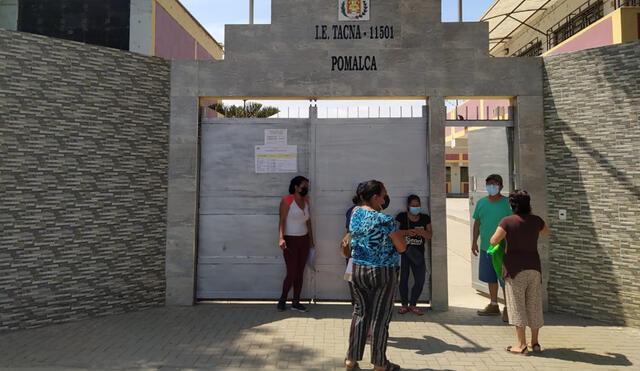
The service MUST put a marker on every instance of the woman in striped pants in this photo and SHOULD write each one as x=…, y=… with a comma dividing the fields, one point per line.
x=375, y=243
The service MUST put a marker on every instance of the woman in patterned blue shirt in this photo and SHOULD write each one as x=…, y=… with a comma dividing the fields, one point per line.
x=375, y=244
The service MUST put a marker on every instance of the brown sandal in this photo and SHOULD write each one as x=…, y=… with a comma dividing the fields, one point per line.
x=523, y=352
x=390, y=367
x=536, y=348
x=355, y=366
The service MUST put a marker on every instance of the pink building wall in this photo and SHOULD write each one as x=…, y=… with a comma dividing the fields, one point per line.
x=598, y=35
x=173, y=41
x=203, y=55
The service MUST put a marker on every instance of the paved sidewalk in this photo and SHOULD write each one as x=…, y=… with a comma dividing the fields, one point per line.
x=255, y=336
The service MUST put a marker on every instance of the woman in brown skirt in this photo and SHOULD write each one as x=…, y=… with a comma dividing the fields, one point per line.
x=523, y=279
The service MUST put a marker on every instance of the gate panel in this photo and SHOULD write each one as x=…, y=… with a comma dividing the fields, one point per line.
x=238, y=253
x=238, y=256
x=488, y=154
x=348, y=151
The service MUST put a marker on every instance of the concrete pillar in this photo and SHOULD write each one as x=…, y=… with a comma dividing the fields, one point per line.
x=182, y=208
x=438, y=203
x=530, y=167
x=141, y=27
x=9, y=14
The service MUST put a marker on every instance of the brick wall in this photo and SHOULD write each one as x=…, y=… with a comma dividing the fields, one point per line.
x=83, y=180
x=592, y=130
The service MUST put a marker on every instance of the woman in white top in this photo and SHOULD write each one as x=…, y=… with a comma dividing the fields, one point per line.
x=296, y=238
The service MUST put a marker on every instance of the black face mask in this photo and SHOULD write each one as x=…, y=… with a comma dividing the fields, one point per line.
x=386, y=203
x=304, y=191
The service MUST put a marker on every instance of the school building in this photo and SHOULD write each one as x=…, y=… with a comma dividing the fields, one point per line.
x=529, y=29
x=161, y=28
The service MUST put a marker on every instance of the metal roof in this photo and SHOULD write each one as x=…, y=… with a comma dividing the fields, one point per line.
x=505, y=16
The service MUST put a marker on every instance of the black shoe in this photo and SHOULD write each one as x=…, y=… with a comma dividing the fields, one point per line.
x=299, y=307
x=282, y=306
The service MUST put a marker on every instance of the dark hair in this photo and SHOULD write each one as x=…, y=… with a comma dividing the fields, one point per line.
x=370, y=189
x=495, y=178
x=356, y=198
x=520, y=202
x=296, y=182
x=412, y=198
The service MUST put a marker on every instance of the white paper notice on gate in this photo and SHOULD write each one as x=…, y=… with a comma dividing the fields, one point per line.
x=275, y=137
x=348, y=273
x=276, y=159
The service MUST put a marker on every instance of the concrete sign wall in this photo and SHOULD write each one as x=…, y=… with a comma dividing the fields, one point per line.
x=403, y=50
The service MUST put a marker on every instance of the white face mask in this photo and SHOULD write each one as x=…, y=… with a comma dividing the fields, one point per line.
x=493, y=189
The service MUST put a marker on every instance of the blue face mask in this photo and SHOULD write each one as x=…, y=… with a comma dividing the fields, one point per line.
x=493, y=189
x=414, y=210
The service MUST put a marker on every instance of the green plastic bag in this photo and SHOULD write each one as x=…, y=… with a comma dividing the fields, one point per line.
x=497, y=257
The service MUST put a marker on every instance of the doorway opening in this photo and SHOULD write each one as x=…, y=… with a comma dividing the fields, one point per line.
x=478, y=143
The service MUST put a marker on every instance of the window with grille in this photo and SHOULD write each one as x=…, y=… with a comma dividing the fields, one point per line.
x=577, y=21
x=104, y=22
x=532, y=49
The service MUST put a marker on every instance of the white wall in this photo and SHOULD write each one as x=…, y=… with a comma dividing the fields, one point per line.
x=455, y=178
x=141, y=27
x=9, y=14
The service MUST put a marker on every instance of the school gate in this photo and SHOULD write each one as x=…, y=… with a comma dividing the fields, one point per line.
x=222, y=223
x=238, y=254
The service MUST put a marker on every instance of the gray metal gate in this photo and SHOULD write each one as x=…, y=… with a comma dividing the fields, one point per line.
x=238, y=255
x=490, y=152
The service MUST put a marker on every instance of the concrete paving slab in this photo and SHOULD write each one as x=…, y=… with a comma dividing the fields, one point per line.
x=254, y=336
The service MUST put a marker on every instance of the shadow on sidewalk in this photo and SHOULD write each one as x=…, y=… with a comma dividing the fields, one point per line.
x=431, y=345
x=454, y=316
x=469, y=317
x=200, y=337
x=574, y=355
x=228, y=335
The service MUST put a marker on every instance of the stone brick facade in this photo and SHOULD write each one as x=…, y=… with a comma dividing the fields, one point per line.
x=592, y=131
x=83, y=185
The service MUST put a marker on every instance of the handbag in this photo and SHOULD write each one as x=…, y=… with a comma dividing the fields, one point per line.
x=345, y=246
x=497, y=258
x=345, y=243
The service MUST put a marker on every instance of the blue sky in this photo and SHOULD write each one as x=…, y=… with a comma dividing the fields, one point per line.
x=214, y=14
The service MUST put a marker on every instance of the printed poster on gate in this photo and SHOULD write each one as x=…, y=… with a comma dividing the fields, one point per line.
x=276, y=159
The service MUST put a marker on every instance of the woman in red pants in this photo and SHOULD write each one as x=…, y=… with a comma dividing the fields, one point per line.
x=296, y=238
